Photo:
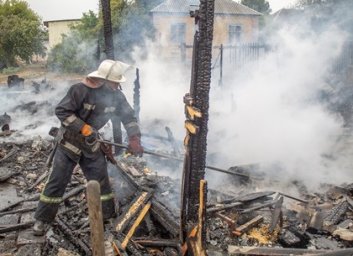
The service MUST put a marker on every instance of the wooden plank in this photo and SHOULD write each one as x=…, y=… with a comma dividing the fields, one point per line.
x=95, y=218
x=124, y=220
x=246, y=226
x=135, y=225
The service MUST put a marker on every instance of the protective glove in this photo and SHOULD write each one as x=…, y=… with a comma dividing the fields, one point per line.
x=91, y=134
x=134, y=146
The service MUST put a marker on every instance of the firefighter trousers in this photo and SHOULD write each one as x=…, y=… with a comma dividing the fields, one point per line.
x=94, y=168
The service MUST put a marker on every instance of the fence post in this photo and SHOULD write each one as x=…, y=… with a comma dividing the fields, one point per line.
x=183, y=51
x=220, y=82
x=95, y=218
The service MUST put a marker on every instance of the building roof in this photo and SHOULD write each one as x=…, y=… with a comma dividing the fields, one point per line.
x=221, y=7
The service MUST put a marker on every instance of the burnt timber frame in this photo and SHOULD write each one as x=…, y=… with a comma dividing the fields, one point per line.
x=196, y=111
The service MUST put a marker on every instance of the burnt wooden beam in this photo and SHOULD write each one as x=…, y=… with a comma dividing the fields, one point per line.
x=276, y=214
x=135, y=225
x=248, y=225
x=266, y=251
x=76, y=241
x=223, y=207
x=5, y=229
x=225, y=218
x=129, y=214
x=164, y=217
x=32, y=198
x=152, y=242
x=258, y=207
x=294, y=198
x=18, y=211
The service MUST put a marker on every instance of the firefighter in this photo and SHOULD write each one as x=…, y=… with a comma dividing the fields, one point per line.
x=86, y=108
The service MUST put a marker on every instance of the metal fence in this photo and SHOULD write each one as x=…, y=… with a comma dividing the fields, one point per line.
x=235, y=57
x=345, y=59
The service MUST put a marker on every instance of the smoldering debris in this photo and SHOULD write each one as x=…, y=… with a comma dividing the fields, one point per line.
x=15, y=81
x=247, y=223
x=5, y=121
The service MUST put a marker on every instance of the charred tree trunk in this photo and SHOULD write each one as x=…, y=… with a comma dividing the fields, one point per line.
x=107, y=29
x=196, y=110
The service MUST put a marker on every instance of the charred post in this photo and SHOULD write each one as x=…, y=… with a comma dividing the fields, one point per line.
x=107, y=29
x=137, y=95
x=196, y=110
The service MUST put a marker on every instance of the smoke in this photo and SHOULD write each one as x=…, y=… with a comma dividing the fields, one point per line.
x=275, y=116
x=270, y=113
x=32, y=114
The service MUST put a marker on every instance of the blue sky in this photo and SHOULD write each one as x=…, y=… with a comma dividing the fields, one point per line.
x=73, y=9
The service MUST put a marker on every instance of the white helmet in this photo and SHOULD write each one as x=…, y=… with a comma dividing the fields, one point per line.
x=111, y=70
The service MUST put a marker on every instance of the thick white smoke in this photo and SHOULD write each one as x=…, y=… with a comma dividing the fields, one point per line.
x=268, y=113
x=31, y=114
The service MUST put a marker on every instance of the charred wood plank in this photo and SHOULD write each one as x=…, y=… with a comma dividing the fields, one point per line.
x=5, y=229
x=164, y=217
x=18, y=211
x=130, y=247
x=135, y=225
x=152, y=242
x=32, y=198
x=125, y=218
x=228, y=220
x=294, y=198
x=248, y=225
x=117, y=248
x=249, y=197
x=336, y=214
x=276, y=214
x=77, y=242
x=266, y=251
x=258, y=207
x=224, y=207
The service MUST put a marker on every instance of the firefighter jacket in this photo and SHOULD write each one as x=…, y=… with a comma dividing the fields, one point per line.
x=95, y=107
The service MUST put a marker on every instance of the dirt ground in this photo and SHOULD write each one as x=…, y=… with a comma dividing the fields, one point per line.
x=35, y=71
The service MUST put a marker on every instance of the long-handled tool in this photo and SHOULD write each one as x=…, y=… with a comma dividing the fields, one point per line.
x=149, y=152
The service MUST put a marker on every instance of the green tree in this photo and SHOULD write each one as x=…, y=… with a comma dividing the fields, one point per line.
x=21, y=30
x=82, y=49
x=79, y=51
x=261, y=6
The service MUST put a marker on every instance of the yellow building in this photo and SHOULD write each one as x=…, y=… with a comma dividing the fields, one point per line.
x=233, y=24
x=58, y=28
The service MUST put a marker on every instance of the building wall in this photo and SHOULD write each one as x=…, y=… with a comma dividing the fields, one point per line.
x=169, y=49
x=249, y=28
x=56, y=29
x=162, y=23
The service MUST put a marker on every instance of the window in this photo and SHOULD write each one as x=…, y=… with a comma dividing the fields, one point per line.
x=178, y=31
x=234, y=34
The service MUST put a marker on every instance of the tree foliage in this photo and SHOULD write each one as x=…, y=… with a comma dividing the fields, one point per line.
x=78, y=51
x=22, y=33
x=261, y=6
x=131, y=26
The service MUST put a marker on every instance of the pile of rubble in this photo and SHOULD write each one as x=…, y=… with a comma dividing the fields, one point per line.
x=261, y=223
x=24, y=172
